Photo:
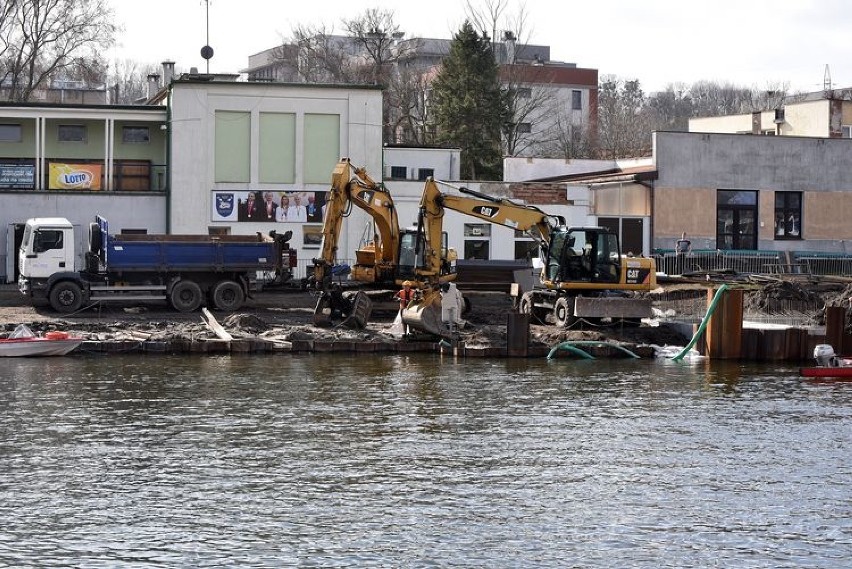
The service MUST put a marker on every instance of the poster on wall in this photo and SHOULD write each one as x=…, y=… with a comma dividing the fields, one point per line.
x=64, y=176
x=269, y=206
x=17, y=176
x=312, y=236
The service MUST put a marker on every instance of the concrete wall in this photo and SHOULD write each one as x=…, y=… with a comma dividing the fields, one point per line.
x=446, y=162
x=693, y=166
x=123, y=211
x=194, y=106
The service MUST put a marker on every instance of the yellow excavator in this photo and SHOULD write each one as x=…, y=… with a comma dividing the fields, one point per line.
x=584, y=274
x=388, y=258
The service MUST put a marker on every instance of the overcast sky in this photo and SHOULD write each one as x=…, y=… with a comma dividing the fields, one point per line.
x=751, y=43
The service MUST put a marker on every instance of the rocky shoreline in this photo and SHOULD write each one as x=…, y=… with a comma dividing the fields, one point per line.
x=276, y=322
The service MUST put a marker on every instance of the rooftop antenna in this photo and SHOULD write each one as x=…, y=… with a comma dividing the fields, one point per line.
x=826, y=81
x=207, y=51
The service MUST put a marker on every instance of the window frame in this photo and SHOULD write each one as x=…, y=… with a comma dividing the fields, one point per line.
x=788, y=216
x=396, y=170
x=84, y=129
x=424, y=173
x=11, y=127
x=576, y=100
x=129, y=128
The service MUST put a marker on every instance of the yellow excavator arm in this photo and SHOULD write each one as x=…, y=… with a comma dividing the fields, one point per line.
x=520, y=217
x=350, y=185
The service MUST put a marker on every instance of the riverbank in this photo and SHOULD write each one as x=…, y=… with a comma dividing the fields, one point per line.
x=274, y=322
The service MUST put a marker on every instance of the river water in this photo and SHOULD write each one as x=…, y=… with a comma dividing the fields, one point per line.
x=420, y=461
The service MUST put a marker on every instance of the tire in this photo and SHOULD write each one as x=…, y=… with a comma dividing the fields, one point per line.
x=227, y=296
x=186, y=296
x=563, y=312
x=66, y=297
x=94, y=238
x=525, y=305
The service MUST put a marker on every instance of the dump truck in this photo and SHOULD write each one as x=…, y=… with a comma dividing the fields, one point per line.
x=187, y=271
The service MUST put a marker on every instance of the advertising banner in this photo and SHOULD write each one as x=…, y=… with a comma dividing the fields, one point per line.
x=17, y=176
x=296, y=206
x=75, y=176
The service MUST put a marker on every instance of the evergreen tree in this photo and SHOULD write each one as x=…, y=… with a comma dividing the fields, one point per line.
x=469, y=107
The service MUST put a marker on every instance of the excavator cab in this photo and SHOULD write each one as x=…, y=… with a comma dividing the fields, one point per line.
x=583, y=254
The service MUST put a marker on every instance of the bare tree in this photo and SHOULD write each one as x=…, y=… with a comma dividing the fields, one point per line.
x=128, y=81
x=671, y=108
x=318, y=56
x=571, y=140
x=407, y=95
x=624, y=126
x=45, y=39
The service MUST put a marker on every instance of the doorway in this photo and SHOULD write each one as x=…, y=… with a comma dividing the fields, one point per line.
x=736, y=220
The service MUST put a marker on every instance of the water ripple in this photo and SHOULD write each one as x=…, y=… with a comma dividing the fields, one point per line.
x=418, y=461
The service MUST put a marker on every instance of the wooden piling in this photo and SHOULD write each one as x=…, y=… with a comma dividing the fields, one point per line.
x=725, y=328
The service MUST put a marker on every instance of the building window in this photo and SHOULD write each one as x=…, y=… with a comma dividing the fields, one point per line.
x=524, y=92
x=135, y=135
x=72, y=133
x=788, y=215
x=736, y=220
x=846, y=131
x=526, y=250
x=576, y=100
x=424, y=173
x=399, y=173
x=10, y=133
x=477, y=241
x=524, y=128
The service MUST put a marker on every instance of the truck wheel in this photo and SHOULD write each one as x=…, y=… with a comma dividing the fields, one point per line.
x=227, y=296
x=563, y=312
x=186, y=296
x=66, y=297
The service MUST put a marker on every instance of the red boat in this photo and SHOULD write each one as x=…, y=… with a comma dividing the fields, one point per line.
x=828, y=364
x=820, y=371
x=23, y=343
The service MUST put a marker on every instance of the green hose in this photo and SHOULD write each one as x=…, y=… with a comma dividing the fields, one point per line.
x=572, y=347
x=716, y=298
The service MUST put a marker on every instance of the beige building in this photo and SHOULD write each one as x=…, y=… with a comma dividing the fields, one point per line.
x=825, y=114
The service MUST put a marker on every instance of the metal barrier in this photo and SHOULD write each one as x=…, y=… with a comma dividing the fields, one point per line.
x=758, y=262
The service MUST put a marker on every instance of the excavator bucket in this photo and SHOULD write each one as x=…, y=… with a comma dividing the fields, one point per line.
x=425, y=315
x=351, y=309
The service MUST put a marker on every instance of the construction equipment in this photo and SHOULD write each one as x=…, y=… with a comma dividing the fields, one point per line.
x=584, y=274
x=385, y=261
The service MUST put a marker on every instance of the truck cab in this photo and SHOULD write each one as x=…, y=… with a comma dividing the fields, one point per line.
x=47, y=248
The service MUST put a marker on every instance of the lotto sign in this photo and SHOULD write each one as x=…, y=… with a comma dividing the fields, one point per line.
x=75, y=176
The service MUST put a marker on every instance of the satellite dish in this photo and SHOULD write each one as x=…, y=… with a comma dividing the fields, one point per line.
x=207, y=52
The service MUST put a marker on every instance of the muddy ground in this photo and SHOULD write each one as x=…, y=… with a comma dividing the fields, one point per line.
x=287, y=316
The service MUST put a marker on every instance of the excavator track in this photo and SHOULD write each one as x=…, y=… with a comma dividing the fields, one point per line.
x=349, y=309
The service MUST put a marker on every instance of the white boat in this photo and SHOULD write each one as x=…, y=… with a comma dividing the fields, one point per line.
x=23, y=342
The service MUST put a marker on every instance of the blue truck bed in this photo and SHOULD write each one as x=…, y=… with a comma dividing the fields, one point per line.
x=186, y=252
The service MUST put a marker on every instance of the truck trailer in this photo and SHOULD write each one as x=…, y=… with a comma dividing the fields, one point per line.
x=187, y=271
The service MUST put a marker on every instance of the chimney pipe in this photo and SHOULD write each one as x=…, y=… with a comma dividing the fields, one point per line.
x=153, y=84
x=168, y=72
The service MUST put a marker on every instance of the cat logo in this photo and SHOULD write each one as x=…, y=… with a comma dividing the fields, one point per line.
x=486, y=210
